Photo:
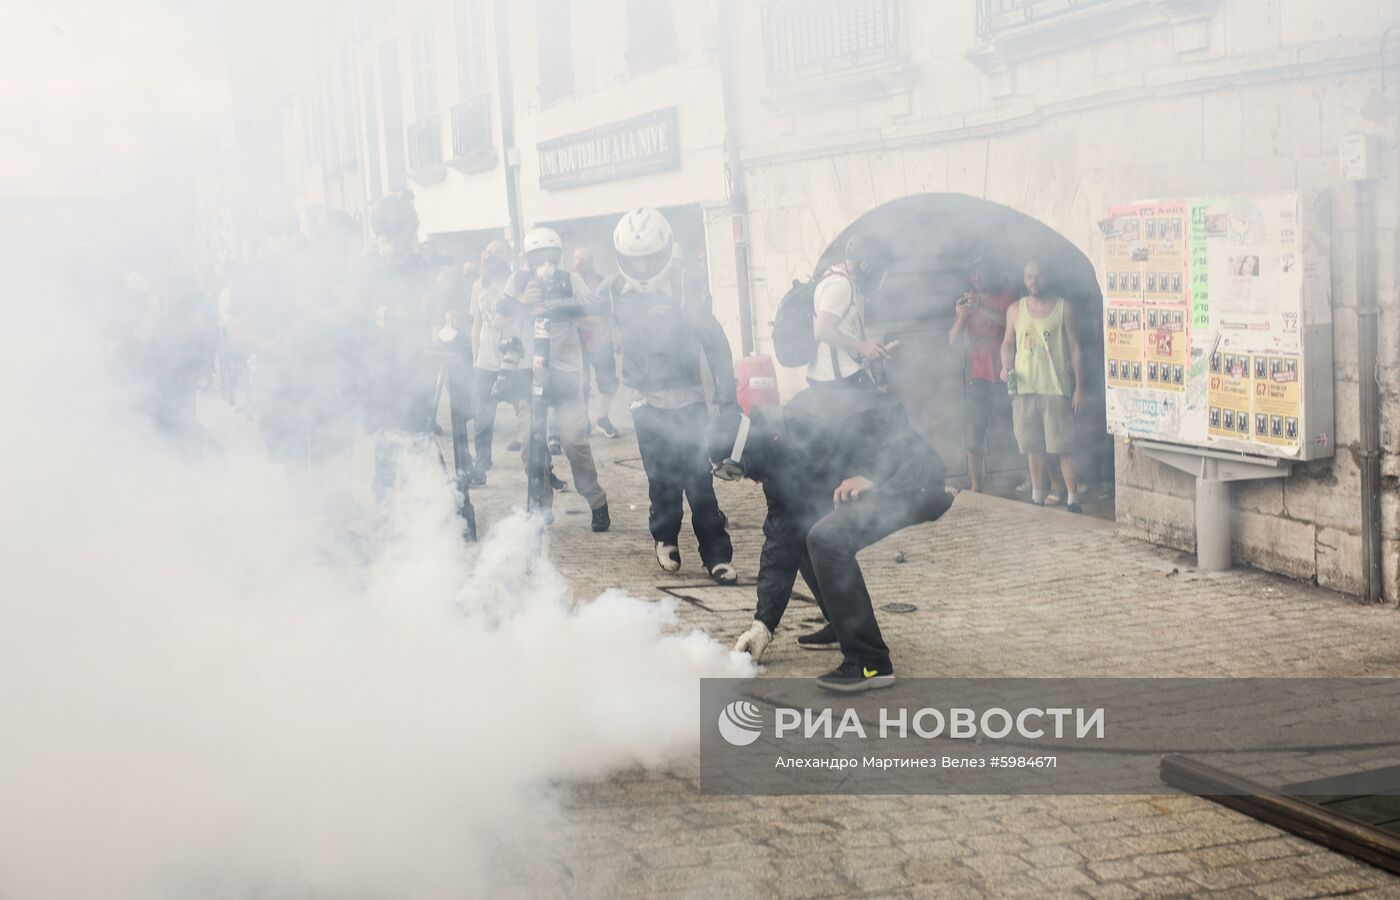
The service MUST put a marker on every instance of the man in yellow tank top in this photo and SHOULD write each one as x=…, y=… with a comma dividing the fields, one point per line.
x=1040, y=360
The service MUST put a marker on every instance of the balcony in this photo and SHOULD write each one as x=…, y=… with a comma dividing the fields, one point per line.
x=473, y=145
x=1021, y=29
x=425, y=151
x=829, y=52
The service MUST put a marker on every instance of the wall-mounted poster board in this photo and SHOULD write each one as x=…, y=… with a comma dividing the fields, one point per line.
x=1218, y=323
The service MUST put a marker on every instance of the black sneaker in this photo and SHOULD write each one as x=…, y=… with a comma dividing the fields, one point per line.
x=823, y=638
x=606, y=426
x=601, y=520
x=850, y=677
x=478, y=478
x=1074, y=508
x=557, y=484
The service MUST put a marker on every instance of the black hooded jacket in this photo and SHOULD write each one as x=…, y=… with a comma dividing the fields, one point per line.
x=802, y=451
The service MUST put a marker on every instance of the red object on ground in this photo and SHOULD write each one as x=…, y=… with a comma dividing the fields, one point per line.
x=757, y=381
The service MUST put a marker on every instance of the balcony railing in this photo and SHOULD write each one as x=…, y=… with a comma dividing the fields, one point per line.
x=998, y=15
x=424, y=144
x=471, y=129
x=805, y=39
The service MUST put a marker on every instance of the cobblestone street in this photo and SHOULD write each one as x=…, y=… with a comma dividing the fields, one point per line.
x=999, y=589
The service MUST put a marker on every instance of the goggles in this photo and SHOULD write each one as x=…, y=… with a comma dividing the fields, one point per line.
x=732, y=468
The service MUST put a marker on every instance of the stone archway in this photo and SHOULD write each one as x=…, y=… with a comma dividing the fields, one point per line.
x=934, y=239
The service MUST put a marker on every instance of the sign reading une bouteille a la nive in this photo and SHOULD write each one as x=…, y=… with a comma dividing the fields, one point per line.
x=636, y=146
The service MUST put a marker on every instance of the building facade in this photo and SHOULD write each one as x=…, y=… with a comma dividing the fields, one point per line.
x=1000, y=129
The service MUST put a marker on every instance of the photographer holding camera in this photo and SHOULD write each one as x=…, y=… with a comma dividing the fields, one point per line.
x=558, y=298
x=493, y=336
x=842, y=469
x=844, y=354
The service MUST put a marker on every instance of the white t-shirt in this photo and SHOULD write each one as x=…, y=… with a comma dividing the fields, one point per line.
x=836, y=295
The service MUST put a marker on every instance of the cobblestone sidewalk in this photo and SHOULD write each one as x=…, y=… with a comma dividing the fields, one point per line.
x=998, y=588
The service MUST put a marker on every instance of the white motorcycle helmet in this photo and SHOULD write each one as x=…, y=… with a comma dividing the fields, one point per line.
x=543, y=251
x=643, y=243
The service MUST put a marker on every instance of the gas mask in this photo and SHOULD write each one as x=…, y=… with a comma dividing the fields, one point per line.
x=545, y=271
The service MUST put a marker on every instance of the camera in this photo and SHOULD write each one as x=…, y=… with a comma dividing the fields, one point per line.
x=511, y=352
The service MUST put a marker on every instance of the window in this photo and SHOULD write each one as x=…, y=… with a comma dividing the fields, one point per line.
x=424, y=68
x=376, y=190
x=998, y=15
x=809, y=38
x=555, y=49
x=471, y=50
x=390, y=93
x=651, y=35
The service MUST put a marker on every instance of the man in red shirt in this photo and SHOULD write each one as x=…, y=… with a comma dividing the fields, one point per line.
x=979, y=322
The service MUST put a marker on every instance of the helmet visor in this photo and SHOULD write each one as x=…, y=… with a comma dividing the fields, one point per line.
x=641, y=268
x=541, y=255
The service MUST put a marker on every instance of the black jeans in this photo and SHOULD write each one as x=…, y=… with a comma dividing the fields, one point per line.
x=672, y=443
x=832, y=545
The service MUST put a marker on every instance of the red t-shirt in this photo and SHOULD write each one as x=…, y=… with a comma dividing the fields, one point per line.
x=985, y=326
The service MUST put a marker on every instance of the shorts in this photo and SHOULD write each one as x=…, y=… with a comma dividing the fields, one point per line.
x=978, y=397
x=1043, y=423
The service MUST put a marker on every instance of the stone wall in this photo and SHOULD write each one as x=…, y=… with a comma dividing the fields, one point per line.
x=1071, y=138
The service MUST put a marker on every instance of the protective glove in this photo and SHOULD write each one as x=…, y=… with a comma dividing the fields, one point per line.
x=754, y=641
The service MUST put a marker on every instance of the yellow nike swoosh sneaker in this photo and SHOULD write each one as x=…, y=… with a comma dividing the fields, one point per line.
x=850, y=677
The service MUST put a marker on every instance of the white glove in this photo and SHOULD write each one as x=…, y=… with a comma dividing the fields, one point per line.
x=754, y=641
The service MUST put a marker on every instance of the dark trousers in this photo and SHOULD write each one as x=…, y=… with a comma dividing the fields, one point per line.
x=672, y=443
x=832, y=545
x=783, y=556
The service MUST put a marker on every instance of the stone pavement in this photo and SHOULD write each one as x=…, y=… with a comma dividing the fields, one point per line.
x=1000, y=588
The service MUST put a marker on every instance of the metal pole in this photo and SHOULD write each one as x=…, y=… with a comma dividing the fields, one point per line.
x=539, y=495
x=1368, y=374
x=1213, y=516
x=734, y=166
x=506, y=91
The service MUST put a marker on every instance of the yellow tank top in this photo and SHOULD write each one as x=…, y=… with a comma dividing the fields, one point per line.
x=1041, y=359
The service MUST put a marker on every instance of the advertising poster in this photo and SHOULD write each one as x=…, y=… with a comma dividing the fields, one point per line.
x=1208, y=302
x=1277, y=402
x=1231, y=396
x=1123, y=344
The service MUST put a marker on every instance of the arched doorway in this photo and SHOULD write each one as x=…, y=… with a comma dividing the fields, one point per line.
x=935, y=239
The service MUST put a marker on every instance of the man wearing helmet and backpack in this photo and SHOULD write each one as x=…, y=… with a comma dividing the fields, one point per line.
x=664, y=330
x=544, y=290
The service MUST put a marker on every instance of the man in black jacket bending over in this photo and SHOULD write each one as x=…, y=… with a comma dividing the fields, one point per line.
x=841, y=468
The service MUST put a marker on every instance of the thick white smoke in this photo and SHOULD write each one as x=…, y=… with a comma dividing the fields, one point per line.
x=203, y=694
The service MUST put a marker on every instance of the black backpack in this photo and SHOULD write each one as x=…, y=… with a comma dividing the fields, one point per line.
x=794, y=342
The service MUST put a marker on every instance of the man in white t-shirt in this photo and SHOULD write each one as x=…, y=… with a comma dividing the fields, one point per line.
x=840, y=299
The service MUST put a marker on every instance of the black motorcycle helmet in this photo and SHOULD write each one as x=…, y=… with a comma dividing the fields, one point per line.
x=866, y=259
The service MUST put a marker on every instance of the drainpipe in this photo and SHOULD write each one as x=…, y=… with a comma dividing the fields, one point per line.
x=510, y=155
x=734, y=167
x=1368, y=374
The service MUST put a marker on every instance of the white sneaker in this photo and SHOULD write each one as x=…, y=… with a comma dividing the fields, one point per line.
x=668, y=556
x=754, y=641
x=724, y=573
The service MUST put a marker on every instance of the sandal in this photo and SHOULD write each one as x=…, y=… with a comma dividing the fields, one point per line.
x=1053, y=499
